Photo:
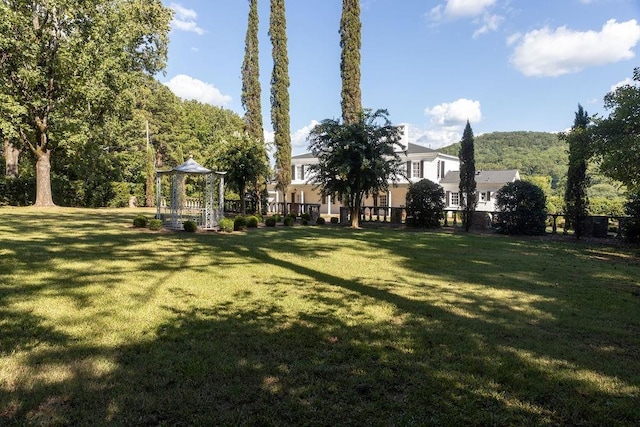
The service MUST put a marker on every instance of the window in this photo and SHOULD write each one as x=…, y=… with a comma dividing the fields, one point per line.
x=415, y=170
x=485, y=196
x=455, y=199
x=440, y=169
x=383, y=200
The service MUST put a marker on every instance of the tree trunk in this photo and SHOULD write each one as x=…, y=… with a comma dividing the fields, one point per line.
x=355, y=217
x=243, y=201
x=11, y=155
x=43, y=178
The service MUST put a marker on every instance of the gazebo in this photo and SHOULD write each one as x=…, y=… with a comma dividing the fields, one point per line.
x=205, y=208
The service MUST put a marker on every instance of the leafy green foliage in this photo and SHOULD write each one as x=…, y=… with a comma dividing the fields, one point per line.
x=522, y=209
x=631, y=227
x=226, y=225
x=617, y=137
x=239, y=223
x=425, y=204
x=190, y=226
x=280, y=96
x=140, y=221
x=350, y=42
x=334, y=220
x=355, y=159
x=289, y=221
x=155, y=224
x=270, y=222
x=468, y=200
x=252, y=221
x=575, y=197
x=251, y=90
x=320, y=220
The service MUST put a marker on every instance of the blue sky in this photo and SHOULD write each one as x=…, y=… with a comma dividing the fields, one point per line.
x=504, y=65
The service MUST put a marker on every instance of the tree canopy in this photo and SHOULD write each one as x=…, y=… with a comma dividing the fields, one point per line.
x=350, y=42
x=356, y=160
x=467, y=184
x=617, y=137
x=67, y=66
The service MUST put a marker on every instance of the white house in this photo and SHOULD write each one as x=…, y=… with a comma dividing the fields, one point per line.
x=488, y=182
x=421, y=162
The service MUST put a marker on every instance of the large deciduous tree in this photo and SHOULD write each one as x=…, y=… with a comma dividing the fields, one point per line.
x=467, y=184
x=280, y=97
x=575, y=196
x=350, y=42
x=65, y=66
x=356, y=160
x=617, y=137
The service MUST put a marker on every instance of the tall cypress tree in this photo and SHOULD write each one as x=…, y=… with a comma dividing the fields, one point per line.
x=575, y=197
x=467, y=185
x=280, y=97
x=251, y=78
x=350, y=42
x=251, y=92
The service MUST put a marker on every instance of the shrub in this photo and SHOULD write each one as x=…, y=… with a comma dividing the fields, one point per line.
x=304, y=222
x=425, y=204
x=252, y=221
x=190, y=226
x=305, y=216
x=334, y=220
x=140, y=221
x=522, y=209
x=226, y=225
x=239, y=223
x=155, y=224
x=270, y=222
x=278, y=217
x=288, y=221
x=631, y=225
x=320, y=221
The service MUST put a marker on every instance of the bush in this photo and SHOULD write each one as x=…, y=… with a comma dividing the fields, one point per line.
x=226, y=225
x=320, y=221
x=522, y=209
x=17, y=191
x=631, y=225
x=304, y=222
x=278, y=217
x=140, y=221
x=239, y=223
x=252, y=221
x=305, y=216
x=289, y=221
x=334, y=220
x=190, y=226
x=425, y=204
x=155, y=224
x=270, y=222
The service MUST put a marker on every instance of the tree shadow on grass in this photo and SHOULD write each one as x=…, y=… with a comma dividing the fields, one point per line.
x=259, y=363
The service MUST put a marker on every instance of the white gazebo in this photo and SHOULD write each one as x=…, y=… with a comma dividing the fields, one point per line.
x=206, y=208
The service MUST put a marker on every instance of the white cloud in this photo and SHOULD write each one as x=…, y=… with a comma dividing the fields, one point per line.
x=187, y=87
x=299, y=137
x=550, y=53
x=626, y=82
x=478, y=10
x=455, y=113
x=185, y=19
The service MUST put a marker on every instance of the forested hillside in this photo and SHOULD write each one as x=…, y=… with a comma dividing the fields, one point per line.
x=532, y=153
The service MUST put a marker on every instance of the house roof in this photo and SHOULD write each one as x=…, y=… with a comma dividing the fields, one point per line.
x=411, y=148
x=486, y=177
x=190, y=166
x=303, y=156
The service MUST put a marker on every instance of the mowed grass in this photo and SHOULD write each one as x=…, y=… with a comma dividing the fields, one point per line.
x=104, y=324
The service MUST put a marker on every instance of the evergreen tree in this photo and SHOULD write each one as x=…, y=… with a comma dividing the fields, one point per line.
x=280, y=97
x=251, y=78
x=350, y=42
x=575, y=197
x=467, y=187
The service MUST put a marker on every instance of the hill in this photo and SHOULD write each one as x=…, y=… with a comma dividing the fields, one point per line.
x=532, y=153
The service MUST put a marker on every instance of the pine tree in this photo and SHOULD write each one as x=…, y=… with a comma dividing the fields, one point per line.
x=467, y=187
x=280, y=97
x=251, y=89
x=350, y=42
x=575, y=197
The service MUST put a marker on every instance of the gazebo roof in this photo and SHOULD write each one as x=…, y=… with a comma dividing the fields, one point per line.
x=190, y=166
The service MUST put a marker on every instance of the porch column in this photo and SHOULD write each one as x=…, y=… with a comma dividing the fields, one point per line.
x=328, y=205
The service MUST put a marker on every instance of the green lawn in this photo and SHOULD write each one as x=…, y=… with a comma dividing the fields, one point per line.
x=101, y=323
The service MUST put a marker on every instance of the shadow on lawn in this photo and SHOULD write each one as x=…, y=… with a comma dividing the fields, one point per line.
x=476, y=363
